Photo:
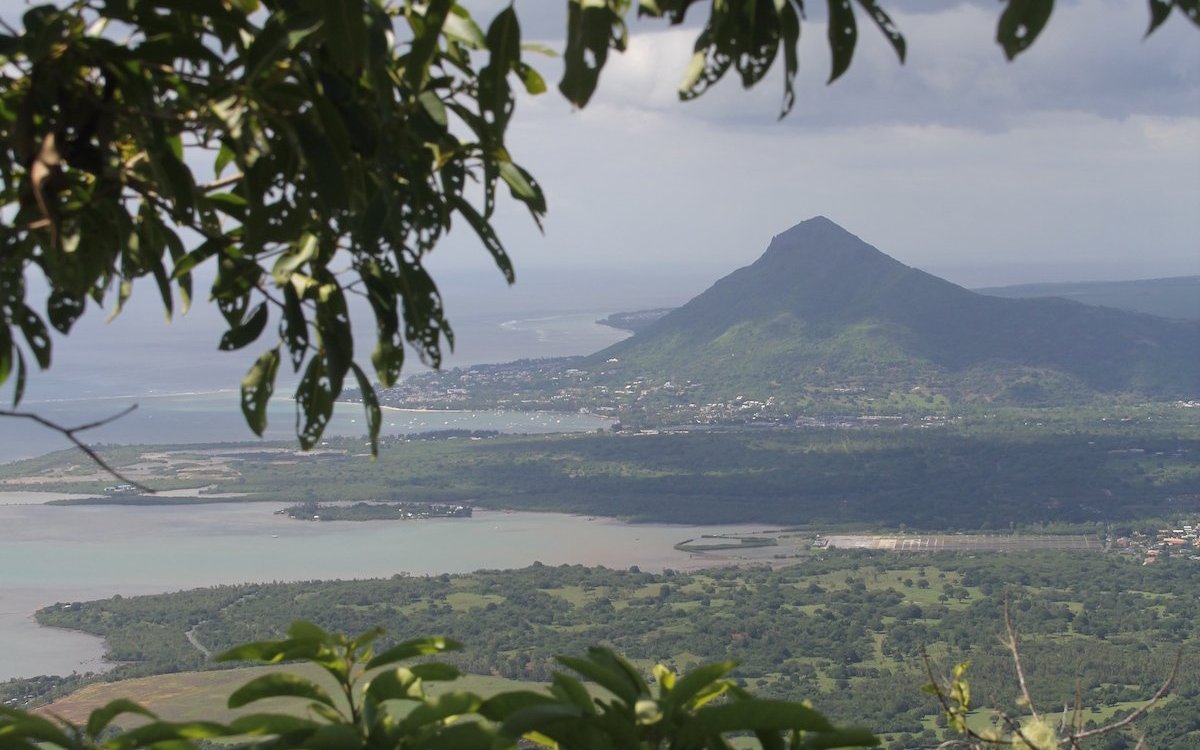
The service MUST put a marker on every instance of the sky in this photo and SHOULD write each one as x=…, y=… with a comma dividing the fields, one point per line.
x=1078, y=161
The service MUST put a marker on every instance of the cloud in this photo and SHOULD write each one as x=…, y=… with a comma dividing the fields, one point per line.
x=1090, y=59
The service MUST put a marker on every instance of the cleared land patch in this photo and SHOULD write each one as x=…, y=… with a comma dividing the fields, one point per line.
x=962, y=542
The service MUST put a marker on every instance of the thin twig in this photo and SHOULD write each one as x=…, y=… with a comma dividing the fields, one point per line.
x=1015, y=728
x=937, y=691
x=69, y=433
x=1162, y=691
x=220, y=183
x=1016, y=656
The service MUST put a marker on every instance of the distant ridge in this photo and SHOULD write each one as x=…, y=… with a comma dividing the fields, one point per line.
x=821, y=309
x=1176, y=297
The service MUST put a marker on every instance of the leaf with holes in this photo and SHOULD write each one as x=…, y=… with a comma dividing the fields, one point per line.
x=257, y=387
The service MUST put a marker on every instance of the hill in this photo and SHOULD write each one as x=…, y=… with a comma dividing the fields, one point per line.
x=822, y=312
x=1174, y=297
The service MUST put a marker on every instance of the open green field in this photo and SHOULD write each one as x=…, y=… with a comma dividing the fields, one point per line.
x=844, y=629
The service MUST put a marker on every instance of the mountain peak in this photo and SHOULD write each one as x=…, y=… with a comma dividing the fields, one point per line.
x=822, y=308
x=818, y=246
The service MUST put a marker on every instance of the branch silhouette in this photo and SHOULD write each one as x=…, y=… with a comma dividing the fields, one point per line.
x=69, y=434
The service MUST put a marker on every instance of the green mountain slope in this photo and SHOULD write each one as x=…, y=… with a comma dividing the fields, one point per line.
x=822, y=310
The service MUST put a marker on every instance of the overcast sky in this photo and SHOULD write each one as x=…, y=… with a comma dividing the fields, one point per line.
x=1081, y=160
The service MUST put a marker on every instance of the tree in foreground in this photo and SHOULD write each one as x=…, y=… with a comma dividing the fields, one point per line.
x=311, y=150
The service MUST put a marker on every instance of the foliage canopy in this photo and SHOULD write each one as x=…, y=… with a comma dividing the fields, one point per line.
x=311, y=150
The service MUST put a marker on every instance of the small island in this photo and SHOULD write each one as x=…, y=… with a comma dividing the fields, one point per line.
x=719, y=542
x=374, y=511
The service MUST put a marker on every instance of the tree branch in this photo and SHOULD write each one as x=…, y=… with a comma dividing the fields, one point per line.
x=1016, y=656
x=69, y=434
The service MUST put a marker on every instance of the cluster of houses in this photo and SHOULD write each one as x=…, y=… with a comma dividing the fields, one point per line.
x=1184, y=541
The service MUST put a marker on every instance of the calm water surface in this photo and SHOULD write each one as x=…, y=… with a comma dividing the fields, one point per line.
x=50, y=554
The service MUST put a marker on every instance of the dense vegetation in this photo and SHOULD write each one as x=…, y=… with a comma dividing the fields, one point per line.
x=993, y=473
x=845, y=630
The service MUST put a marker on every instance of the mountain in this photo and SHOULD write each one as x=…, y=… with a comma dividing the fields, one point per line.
x=1173, y=297
x=822, y=312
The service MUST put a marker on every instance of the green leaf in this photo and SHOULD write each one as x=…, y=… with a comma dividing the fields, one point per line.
x=487, y=235
x=279, y=685
x=294, y=326
x=433, y=107
x=36, y=335
x=248, y=330
x=887, y=26
x=414, y=648
x=461, y=28
x=502, y=705
x=574, y=691
x=19, y=385
x=257, y=387
x=230, y=204
x=27, y=726
x=269, y=45
x=603, y=668
x=534, y=83
x=395, y=685
x=160, y=732
x=301, y=252
x=540, y=49
x=370, y=406
x=504, y=46
x=336, y=736
x=314, y=403
x=333, y=327
x=427, y=29
x=536, y=718
x=592, y=28
x=103, y=716
x=387, y=360
x=843, y=35
x=63, y=309
x=345, y=32
x=838, y=738
x=330, y=178
x=753, y=715
x=687, y=687
x=1160, y=9
x=203, y=252
x=266, y=724
x=789, y=34
x=6, y=355
x=460, y=736
x=1020, y=24
x=437, y=708
x=522, y=186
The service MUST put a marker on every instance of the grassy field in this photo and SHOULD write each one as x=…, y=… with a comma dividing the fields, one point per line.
x=193, y=696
